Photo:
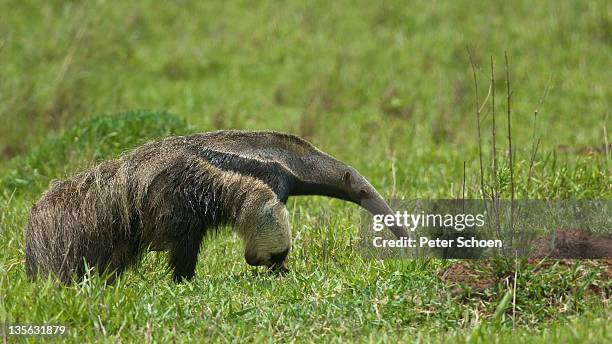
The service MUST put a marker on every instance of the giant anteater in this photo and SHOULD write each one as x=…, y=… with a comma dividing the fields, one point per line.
x=165, y=195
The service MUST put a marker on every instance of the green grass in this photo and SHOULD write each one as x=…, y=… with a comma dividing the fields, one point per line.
x=331, y=294
x=386, y=88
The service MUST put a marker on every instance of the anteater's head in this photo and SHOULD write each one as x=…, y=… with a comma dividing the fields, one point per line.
x=356, y=187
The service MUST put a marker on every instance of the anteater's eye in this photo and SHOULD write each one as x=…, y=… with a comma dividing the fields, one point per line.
x=363, y=193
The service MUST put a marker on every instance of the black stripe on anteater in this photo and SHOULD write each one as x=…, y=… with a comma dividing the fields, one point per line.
x=302, y=188
x=271, y=173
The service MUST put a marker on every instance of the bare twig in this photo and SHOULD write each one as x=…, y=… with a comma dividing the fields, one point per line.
x=508, y=107
x=394, y=193
x=535, y=142
x=509, y=128
x=493, y=130
x=463, y=190
x=531, y=162
x=514, y=289
x=495, y=184
x=605, y=134
x=484, y=102
x=546, y=90
x=478, y=108
x=463, y=186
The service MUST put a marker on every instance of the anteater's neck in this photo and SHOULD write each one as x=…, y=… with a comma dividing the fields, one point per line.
x=321, y=175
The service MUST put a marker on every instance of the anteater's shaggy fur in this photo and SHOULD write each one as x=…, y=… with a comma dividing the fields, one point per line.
x=166, y=195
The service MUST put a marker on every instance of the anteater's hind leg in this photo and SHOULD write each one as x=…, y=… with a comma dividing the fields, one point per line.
x=124, y=253
x=263, y=224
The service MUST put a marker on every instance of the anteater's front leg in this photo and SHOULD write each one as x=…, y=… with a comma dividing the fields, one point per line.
x=263, y=224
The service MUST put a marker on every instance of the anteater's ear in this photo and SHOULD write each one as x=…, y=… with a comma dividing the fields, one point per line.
x=346, y=178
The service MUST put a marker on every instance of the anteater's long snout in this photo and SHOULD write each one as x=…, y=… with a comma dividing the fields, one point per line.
x=377, y=206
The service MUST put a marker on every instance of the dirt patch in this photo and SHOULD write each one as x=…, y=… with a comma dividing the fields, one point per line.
x=480, y=276
x=590, y=249
x=465, y=275
x=568, y=244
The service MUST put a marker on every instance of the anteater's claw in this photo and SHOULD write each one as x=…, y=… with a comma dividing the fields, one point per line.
x=279, y=269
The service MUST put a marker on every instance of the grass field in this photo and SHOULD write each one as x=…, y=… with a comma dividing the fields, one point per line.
x=386, y=87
